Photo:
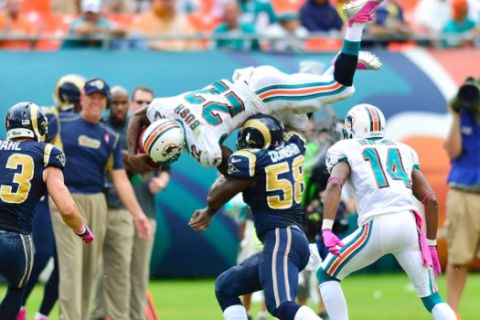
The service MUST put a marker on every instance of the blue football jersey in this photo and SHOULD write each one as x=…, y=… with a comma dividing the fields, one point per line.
x=21, y=181
x=275, y=197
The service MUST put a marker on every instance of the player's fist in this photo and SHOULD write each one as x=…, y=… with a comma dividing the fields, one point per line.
x=86, y=234
x=331, y=241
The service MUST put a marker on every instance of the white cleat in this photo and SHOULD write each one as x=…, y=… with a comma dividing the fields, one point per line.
x=360, y=11
x=368, y=61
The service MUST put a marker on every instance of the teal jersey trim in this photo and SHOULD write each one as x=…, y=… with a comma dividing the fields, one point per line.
x=345, y=246
x=431, y=301
x=295, y=86
x=322, y=276
x=354, y=253
x=305, y=97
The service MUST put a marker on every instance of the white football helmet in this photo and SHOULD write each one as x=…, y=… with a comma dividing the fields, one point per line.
x=163, y=140
x=364, y=121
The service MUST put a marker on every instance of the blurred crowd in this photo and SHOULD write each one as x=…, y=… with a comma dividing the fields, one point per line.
x=277, y=25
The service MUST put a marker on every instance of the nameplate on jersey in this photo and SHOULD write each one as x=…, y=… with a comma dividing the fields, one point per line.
x=85, y=141
x=10, y=145
x=287, y=152
x=188, y=117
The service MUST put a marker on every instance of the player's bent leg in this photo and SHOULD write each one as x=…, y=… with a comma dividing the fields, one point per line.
x=438, y=308
x=332, y=295
x=286, y=253
x=236, y=281
x=16, y=260
x=11, y=303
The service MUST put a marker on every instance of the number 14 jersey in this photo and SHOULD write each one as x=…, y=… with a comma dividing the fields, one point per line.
x=381, y=174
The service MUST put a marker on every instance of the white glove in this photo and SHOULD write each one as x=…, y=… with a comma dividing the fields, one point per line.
x=314, y=262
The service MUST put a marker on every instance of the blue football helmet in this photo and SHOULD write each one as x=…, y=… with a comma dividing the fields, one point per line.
x=26, y=120
x=68, y=91
x=260, y=132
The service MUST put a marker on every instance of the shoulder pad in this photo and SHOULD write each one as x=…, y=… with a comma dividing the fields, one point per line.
x=242, y=164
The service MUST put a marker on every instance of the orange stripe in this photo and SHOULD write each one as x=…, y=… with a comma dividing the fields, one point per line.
x=155, y=133
x=344, y=255
x=299, y=91
x=375, y=118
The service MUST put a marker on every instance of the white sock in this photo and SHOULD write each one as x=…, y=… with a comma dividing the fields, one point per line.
x=334, y=300
x=354, y=32
x=235, y=312
x=442, y=311
x=40, y=316
x=305, y=313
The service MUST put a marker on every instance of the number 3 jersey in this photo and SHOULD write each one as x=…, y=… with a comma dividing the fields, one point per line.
x=208, y=116
x=381, y=174
x=21, y=179
x=275, y=197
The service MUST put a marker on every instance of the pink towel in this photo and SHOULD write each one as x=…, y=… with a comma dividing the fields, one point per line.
x=422, y=239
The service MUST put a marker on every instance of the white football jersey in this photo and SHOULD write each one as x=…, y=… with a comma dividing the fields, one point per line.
x=381, y=174
x=208, y=116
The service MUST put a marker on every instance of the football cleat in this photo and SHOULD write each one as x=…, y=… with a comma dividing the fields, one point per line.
x=360, y=11
x=368, y=61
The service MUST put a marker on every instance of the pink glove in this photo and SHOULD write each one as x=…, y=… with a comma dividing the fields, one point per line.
x=437, y=268
x=87, y=235
x=331, y=241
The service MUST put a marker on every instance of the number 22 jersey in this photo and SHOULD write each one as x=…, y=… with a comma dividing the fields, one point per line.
x=208, y=116
x=381, y=174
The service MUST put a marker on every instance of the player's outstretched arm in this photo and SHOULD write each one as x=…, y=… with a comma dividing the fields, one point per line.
x=53, y=178
x=333, y=193
x=222, y=190
x=423, y=192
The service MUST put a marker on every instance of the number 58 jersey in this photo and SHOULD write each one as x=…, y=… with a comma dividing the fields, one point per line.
x=208, y=116
x=381, y=174
x=275, y=197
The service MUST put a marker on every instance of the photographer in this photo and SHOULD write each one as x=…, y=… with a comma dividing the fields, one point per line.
x=463, y=199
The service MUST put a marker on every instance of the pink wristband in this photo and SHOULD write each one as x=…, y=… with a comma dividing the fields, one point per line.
x=428, y=195
x=335, y=178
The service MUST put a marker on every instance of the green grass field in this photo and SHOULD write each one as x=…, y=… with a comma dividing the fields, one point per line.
x=384, y=296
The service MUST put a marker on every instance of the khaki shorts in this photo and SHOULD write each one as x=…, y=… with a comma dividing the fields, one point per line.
x=463, y=226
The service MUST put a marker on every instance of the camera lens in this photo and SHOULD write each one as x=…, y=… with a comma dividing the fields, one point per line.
x=468, y=96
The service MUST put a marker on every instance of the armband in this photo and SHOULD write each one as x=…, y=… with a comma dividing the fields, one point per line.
x=427, y=196
x=335, y=178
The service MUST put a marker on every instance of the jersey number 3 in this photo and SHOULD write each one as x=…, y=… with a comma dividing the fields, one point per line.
x=21, y=179
x=290, y=191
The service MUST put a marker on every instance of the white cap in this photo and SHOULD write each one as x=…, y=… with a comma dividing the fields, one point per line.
x=91, y=6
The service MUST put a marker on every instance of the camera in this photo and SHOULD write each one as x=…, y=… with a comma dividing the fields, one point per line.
x=468, y=96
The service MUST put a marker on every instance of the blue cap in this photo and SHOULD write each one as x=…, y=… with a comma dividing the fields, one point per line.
x=96, y=85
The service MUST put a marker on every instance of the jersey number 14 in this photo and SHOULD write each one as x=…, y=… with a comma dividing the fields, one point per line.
x=394, y=167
